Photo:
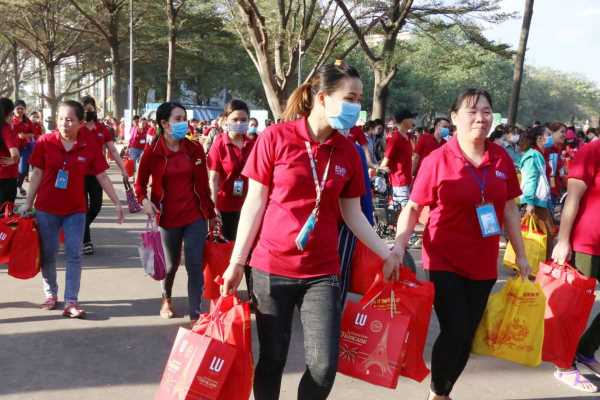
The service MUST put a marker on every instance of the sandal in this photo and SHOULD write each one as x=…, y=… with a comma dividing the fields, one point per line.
x=49, y=304
x=590, y=362
x=574, y=379
x=166, y=308
x=73, y=311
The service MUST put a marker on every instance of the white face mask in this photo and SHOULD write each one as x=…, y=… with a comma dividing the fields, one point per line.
x=238, y=127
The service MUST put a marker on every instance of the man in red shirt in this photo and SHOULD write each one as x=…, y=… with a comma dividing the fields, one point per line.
x=398, y=156
x=429, y=142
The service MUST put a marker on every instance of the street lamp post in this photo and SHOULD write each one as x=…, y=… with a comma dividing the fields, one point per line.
x=130, y=88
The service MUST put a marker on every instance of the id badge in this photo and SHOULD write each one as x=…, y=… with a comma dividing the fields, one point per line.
x=304, y=235
x=62, y=179
x=488, y=220
x=238, y=187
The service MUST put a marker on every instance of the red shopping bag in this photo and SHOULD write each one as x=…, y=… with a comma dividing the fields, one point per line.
x=197, y=368
x=229, y=321
x=8, y=224
x=217, y=252
x=373, y=339
x=365, y=266
x=24, y=258
x=569, y=301
x=129, y=167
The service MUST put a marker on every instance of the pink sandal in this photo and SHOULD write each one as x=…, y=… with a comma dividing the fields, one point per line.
x=574, y=379
x=73, y=311
x=50, y=303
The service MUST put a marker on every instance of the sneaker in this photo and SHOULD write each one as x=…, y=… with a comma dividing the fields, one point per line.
x=50, y=303
x=73, y=311
x=88, y=249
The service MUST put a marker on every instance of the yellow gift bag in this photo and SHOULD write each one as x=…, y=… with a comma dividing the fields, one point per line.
x=535, y=240
x=512, y=327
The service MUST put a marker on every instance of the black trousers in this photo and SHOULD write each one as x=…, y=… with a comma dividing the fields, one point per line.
x=459, y=306
x=93, y=192
x=8, y=190
x=231, y=219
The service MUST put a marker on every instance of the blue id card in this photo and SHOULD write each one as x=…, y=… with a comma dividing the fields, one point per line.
x=488, y=220
x=62, y=179
x=304, y=235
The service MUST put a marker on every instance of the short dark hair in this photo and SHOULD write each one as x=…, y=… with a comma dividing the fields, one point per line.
x=88, y=100
x=529, y=139
x=440, y=119
x=20, y=103
x=472, y=95
x=76, y=106
x=236, y=105
x=163, y=113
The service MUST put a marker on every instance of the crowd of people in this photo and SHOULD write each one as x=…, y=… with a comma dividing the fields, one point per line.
x=288, y=194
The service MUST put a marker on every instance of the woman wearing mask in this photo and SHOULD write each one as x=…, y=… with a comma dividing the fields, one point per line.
x=226, y=159
x=510, y=142
x=61, y=161
x=179, y=200
x=302, y=174
x=429, y=142
x=96, y=132
x=533, y=176
x=467, y=180
x=9, y=153
x=252, y=129
x=24, y=129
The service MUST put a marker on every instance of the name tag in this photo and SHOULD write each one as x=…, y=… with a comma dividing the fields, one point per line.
x=238, y=187
x=62, y=179
x=304, y=235
x=488, y=220
x=142, y=141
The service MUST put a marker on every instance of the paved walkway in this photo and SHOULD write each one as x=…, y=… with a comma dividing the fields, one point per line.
x=120, y=350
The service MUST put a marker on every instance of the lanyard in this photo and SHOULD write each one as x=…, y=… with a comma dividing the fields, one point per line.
x=480, y=181
x=318, y=187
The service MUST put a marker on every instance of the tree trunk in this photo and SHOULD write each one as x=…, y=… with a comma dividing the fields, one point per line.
x=51, y=96
x=171, y=59
x=104, y=96
x=41, y=77
x=382, y=79
x=116, y=106
x=519, y=62
x=16, y=77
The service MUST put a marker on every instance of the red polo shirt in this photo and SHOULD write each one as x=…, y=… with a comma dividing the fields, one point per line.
x=37, y=130
x=357, y=135
x=99, y=132
x=50, y=156
x=22, y=127
x=586, y=167
x=138, y=138
x=181, y=206
x=399, y=153
x=9, y=140
x=426, y=144
x=452, y=240
x=228, y=160
x=280, y=162
x=554, y=165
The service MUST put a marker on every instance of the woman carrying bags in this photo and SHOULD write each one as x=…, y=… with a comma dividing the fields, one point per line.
x=579, y=240
x=470, y=184
x=9, y=153
x=301, y=174
x=61, y=160
x=226, y=159
x=179, y=200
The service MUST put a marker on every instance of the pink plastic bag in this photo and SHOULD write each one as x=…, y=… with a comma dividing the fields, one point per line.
x=152, y=253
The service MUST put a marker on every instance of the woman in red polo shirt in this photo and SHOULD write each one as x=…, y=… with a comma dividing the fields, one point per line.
x=226, y=159
x=579, y=239
x=24, y=129
x=61, y=160
x=470, y=184
x=9, y=153
x=180, y=198
x=301, y=174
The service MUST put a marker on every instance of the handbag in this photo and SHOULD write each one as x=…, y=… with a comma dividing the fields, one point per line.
x=132, y=203
x=152, y=253
x=217, y=252
x=542, y=191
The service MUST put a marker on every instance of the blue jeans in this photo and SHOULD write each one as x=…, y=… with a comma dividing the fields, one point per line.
x=401, y=195
x=193, y=237
x=24, y=163
x=318, y=300
x=135, y=154
x=73, y=226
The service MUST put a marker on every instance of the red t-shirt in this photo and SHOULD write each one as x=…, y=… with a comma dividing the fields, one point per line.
x=228, y=160
x=50, y=156
x=37, y=130
x=357, y=135
x=138, y=138
x=452, y=240
x=100, y=133
x=399, y=153
x=426, y=144
x=181, y=206
x=9, y=140
x=22, y=127
x=280, y=161
x=554, y=166
x=586, y=167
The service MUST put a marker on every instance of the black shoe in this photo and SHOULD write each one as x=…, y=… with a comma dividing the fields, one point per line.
x=88, y=249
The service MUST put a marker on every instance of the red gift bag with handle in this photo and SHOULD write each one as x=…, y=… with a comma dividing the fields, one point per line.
x=569, y=301
x=197, y=369
x=8, y=224
x=24, y=258
x=373, y=339
x=365, y=266
x=229, y=321
x=217, y=252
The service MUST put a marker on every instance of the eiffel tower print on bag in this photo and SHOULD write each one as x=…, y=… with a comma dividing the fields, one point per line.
x=373, y=337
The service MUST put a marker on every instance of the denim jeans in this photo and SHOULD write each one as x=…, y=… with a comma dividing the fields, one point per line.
x=135, y=154
x=318, y=300
x=24, y=163
x=193, y=237
x=49, y=226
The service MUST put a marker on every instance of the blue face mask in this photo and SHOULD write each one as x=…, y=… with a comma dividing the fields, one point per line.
x=179, y=130
x=347, y=116
x=549, y=141
x=252, y=130
x=444, y=132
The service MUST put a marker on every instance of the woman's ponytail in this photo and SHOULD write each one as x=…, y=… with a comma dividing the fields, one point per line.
x=300, y=103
